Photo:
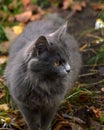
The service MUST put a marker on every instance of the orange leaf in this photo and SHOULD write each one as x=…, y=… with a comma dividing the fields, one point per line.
x=3, y=59
x=66, y=4
x=24, y=17
x=18, y=29
x=26, y=2
x=95, y=111
x=97, y=6
x=62, y=124
x=77, y=6
x=4, y=107
x=35, y=17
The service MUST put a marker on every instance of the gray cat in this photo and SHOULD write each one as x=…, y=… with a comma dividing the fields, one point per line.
x=44, y=62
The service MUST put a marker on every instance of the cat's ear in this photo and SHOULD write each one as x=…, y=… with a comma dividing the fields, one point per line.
x=41, y=45
x=59, y=33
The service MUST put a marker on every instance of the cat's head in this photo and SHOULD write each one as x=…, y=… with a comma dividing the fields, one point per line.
x=50, y=55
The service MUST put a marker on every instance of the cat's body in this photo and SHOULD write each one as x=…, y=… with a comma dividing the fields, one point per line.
x=43, y=64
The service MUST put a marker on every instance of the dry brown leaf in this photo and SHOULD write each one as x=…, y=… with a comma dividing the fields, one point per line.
x=83, y=47
x=4, y=47
x=18, y=29
x=78, y=6
x=66, y=4
x=26, y=2
x=95, y=111
x=83, y=97
x=3, y=59
x=40, y=11
x=4, y=107
x=35, y=17
x=98, y=6
x=10, y=34
x=24, y=17
x=62, y=124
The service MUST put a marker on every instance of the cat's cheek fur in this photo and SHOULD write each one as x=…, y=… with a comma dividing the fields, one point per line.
x=61, y=71
x=32, y=63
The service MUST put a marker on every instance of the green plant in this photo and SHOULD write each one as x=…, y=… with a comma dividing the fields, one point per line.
x=102, y=119
x=101, y=14
x=98, y=58
x=43, y=4
x=2, y=34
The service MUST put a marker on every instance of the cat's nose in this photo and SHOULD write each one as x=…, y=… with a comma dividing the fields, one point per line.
x=67, y=67
x=68, y=70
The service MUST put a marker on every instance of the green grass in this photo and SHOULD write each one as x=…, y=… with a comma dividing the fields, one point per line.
x=98, y=58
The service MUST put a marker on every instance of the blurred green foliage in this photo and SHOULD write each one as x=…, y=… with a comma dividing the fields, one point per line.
x=101, y=15
x=2, y=34
x=99, y=57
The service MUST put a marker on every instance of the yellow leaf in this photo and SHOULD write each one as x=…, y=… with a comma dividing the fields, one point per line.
x=4, y=107
x=18, y=29
x=102, y=89
x=3, y=59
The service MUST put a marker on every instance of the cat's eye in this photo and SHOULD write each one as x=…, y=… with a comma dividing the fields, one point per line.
x=56, y=63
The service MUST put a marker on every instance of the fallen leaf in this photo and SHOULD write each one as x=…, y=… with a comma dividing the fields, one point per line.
x=78, y=6
x=83, y=47
x=40, y=11
x=3, y=59
x=95, y=111
x=4, y=107
x=10, y=34
x=24, y=17
x=18, y=29
x=61, y=124
x=97, y=6
x=35, y=17
x=26, y=2
x=66, y=4
x=84, y=97
x=4, y=47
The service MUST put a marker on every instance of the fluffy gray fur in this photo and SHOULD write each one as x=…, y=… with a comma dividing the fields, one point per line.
x=34, y=86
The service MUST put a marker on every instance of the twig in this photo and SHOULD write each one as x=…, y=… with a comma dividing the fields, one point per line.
x=6, y=129
x=76, y=119
x=96, y=83
x=88, y=74
x=70, y=15
x=73, y=94
x=93, y=65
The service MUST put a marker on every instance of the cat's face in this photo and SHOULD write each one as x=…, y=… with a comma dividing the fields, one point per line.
x=51, y=58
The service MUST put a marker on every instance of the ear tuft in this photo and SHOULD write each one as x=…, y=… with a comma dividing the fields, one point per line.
x=41, y=45
x=62, y=30
x=59, y=33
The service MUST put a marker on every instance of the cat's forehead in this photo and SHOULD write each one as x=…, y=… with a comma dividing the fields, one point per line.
x=59, y=49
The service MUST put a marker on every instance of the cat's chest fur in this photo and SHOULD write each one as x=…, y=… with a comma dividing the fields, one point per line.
x=42, y=92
